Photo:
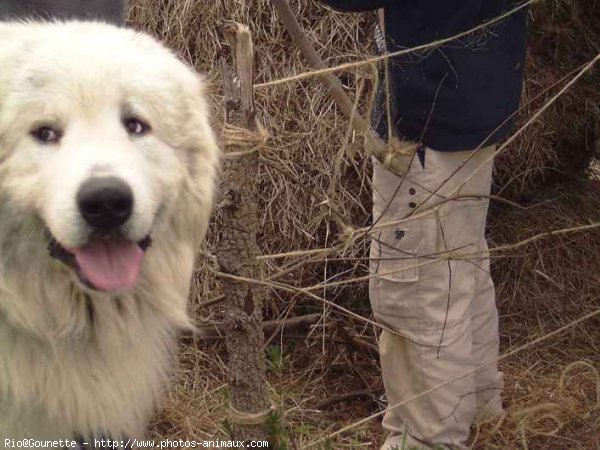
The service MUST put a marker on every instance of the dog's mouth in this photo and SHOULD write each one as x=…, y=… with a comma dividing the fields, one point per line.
x=107, y=264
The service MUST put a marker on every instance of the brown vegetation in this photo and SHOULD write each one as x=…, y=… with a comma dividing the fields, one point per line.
x=315, y=194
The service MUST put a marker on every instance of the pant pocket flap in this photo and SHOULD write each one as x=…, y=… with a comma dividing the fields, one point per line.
x=396, y=254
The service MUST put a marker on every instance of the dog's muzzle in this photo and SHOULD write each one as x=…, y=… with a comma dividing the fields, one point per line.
x=105, y=203
x=108, y=261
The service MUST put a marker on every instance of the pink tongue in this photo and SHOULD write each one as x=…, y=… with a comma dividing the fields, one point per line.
x=110, y=265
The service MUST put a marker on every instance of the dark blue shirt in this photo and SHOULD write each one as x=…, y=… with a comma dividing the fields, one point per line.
x=455, y=96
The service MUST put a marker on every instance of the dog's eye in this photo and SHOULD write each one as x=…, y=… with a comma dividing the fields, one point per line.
x=46, y=134
x=136, y=127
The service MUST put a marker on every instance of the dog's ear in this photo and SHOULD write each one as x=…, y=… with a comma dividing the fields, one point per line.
x=201, y=118
x=201, y=140
x=202, y=159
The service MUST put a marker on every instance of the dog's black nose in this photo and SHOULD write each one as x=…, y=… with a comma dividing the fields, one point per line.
x=105, y=203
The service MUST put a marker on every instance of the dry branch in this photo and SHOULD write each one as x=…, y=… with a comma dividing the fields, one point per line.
x=392, y=158
x=237, y=249
x=343, y=398
x=218, y=330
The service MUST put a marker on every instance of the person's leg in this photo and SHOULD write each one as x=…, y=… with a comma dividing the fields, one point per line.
x=484, y=313
x=426, y=297
x=484, y=323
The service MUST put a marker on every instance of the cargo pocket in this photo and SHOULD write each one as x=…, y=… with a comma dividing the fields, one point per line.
x=395, y=272
x=395, y=256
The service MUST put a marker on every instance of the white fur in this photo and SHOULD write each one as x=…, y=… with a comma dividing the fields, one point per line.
x=75, y=361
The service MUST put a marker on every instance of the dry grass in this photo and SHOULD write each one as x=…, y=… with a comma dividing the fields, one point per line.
x=315, y=190
x=542, y=287
x=564, y=35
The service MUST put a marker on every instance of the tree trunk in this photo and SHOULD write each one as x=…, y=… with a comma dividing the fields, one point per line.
x=237, y=248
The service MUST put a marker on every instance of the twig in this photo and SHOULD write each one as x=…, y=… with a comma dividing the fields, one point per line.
x=342, y=398
x=397, y=163
x=217, y=331
x=214, y=301
x=349, y=338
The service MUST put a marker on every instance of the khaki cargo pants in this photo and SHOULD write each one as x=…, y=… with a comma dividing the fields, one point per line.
x=431, y=284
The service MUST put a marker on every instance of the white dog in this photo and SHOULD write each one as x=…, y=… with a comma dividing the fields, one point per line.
x=107, y=173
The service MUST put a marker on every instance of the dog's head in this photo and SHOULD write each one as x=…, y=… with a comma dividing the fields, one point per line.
x=102, y=130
